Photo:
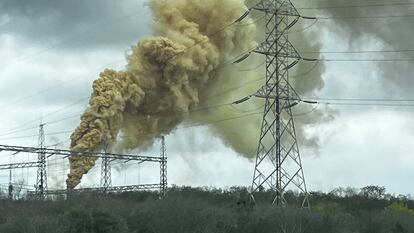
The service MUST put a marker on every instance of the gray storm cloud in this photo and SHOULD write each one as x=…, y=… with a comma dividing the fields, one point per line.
x=75, y=25
x=393, y=33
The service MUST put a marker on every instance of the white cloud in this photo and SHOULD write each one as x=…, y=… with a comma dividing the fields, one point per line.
x=370, y=147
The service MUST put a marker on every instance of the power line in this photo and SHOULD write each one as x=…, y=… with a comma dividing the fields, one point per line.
x=358, y=60
x=78, y=115
x=253, y=68
x=36, y=135
x=363, y=99
x=327, y=101
x=215, y=95
x=308, y=112
x=357, y=6
x=123, y=18
x=225, y=63
x=53, y=87
x=208, y=36
x=46, y=123
x=76, y=35
x=305, y=28
x=366, y=104
x=33, y=94
x=17, y=128
x=366, y=60
x=358, y=51
x=317, y=63
x=14, y=130
x=63, y=119
x=197, y=42
x=203, y=124
x=247, y=111
x=18, y=131
x=364, y=17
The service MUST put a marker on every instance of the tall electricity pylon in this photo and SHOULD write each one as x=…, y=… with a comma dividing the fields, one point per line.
x=163, y=168
x=41, y=181
x=10, y=196
x=106, y=179
x=278, y=143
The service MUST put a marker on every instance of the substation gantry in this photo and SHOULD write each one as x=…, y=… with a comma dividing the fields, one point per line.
x=42, y=192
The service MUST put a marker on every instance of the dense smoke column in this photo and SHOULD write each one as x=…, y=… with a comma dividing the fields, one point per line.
x=163, y=80
x=185, y=68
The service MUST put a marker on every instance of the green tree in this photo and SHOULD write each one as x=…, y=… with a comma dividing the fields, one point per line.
x=400, y=207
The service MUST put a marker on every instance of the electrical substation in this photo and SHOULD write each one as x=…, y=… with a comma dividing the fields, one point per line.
x=40, y=190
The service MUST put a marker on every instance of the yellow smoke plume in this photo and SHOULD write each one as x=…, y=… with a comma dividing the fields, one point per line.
x=167, y=77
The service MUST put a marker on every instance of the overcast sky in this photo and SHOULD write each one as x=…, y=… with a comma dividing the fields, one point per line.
x=52, y=51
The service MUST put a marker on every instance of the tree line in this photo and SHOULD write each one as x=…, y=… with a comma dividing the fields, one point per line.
x=204, y=210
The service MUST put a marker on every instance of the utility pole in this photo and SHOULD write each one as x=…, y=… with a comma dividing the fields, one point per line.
x=41, y=181
x=163, y=168
x=278, y=143
x=106, y=180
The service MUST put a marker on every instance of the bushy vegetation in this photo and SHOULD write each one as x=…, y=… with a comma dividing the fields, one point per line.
x=203, y=210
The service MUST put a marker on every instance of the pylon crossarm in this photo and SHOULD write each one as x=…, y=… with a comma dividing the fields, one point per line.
x=18, y=165
x=281, y=13
x=68, y=153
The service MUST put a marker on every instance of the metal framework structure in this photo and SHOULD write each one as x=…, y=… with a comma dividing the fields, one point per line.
x=66, y=153
x=115, y=189
x=41, y=181
x=10, y=187
x=44, y=153
x=12, y=166
x=163, y=168
x=277, y=142
x=106, y=179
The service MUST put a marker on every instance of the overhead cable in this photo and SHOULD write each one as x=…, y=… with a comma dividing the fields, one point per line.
x=357, y=6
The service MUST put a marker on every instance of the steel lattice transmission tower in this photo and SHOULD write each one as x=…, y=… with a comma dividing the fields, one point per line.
x=106, y=179
x=10, y=196
x=278, y=143
x=41, y=181
x=163, y=168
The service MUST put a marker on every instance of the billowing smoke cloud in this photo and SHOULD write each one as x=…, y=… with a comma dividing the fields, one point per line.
x=164, y=77
x=183, y=76
x=234, y=82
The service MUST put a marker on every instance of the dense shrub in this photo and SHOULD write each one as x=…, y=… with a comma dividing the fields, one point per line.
x=203, y=210
x=92, y=221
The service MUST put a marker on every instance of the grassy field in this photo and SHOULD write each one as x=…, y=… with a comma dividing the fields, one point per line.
x=203, y=210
